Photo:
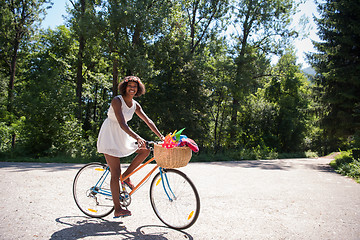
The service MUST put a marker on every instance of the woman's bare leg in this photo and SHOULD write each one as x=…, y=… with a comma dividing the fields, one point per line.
x=115, y=171
x=139, y=158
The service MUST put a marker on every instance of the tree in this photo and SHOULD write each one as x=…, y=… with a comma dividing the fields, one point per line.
x=174, y=83
x=338, y=65
x=288, y=89
x=83, y=24
x=128, y=26
x=218, y=75
x=203, y=18
x=47, y=92
x=17, y=24
x=262, y=27
x=218, y=70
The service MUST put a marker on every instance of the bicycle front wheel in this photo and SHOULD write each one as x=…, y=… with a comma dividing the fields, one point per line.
x=91, y=190
x=174, y=199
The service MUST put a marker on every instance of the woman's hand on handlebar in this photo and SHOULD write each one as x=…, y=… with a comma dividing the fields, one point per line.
x=141, y=142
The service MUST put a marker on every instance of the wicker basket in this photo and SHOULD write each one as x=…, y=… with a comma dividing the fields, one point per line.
x=173, y=157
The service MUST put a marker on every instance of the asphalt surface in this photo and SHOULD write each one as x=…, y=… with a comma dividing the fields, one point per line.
x=267, y=199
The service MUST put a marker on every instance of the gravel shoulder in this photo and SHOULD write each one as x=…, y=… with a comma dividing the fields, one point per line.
x=266, y=199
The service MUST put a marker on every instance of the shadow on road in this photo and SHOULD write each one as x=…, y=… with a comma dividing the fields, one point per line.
x=28, y=166
x=263, y=164
x=275, y=164
x=279, y=164
x=81, y=227
x=323, y=168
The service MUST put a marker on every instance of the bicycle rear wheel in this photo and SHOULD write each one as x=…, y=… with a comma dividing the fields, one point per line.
x=174, y=199
x=91, y=190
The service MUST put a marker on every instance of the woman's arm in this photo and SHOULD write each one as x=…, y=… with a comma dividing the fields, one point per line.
x=139, y=111
x=116, y=104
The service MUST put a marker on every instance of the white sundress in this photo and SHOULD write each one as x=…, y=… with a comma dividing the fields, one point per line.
x=112, y=140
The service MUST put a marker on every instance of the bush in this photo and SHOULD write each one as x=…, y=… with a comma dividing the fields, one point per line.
x=5, y=137
x=347, y=165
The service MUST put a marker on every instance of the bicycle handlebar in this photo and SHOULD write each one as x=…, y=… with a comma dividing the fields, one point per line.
x=148, y=143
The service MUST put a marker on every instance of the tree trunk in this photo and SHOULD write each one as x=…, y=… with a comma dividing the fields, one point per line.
x=12, y=76
x=217, y=117
x=136, y=35
x=79, y=75
x=11, y=86
x=115, y=76
x=95, y=102
x=13, y=140
x=235, y=106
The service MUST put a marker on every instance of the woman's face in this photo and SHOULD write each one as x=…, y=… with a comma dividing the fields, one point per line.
x=131, y=88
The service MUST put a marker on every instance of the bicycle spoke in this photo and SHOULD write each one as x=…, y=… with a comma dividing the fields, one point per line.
x=182, y=209
x=91, y=190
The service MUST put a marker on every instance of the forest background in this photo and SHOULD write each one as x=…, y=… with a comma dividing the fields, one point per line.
x=56, y=84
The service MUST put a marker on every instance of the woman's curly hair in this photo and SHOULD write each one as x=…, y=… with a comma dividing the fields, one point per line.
x=122, y=85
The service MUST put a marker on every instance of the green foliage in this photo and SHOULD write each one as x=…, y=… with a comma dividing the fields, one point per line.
x=18, y=23
x=219, y=71
x=289, y=90
x=338, y=65
x=258, y=112
x=263, y=27
x=16, y=128
x=5, y=137
x=46, y=92
x=227, y=95
x=276, y=116
x=347, y=165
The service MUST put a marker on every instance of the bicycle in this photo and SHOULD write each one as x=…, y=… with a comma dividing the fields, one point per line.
x=173, y=196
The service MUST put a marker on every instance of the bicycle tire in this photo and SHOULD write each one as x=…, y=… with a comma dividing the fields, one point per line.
x=90, y=202
x=181, y=212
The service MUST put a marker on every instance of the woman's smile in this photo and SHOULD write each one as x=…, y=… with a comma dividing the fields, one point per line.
x=132, y=88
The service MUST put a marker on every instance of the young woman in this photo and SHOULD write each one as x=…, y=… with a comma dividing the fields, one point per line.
x=117, y=140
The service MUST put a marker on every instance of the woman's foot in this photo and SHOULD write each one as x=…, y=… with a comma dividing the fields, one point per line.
x=129, y=184
x=122, y=213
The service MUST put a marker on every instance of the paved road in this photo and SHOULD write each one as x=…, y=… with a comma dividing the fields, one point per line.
x=269, y=199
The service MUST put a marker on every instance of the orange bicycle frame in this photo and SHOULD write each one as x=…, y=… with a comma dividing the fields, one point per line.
x=137, y=169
